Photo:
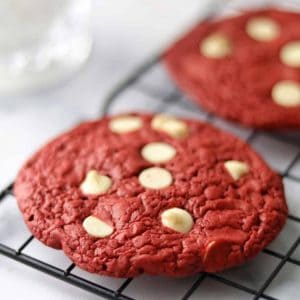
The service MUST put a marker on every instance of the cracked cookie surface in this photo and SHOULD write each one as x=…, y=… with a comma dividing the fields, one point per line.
x=209, y=202
x=232, y=67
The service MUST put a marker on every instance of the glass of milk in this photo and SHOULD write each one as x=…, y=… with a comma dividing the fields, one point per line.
x=41, y=42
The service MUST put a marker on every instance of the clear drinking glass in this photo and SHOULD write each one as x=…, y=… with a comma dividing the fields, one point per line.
x=42, y=41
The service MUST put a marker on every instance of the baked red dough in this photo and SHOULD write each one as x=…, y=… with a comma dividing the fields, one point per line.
x=233, y=219
x=238, y=86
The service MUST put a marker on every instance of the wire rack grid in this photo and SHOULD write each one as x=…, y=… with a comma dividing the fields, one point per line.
x=274, y=274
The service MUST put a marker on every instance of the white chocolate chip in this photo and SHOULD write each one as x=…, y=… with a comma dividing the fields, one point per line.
x=125, y=124
x=97, y=228
x=170, y=125
x=216, y=45
x=95, y=183
x=158, y=152
x=177, y=219
x=290, y=54
x=236, y=168
x=286, y=93
x=262, y=29
x=155, y=178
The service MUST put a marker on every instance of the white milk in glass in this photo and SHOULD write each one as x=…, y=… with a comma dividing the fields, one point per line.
x=41, y=41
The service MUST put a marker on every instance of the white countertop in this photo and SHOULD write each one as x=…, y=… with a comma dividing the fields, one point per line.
x=126, y=32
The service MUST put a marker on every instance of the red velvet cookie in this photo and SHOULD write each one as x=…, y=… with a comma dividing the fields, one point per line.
x=245, y=68
x=153, y=194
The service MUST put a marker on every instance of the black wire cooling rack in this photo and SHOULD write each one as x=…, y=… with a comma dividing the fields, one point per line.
x=149, y=87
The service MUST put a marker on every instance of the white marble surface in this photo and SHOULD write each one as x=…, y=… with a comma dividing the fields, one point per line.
x=126, y=32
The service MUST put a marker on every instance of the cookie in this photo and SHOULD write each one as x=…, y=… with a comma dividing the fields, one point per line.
x=155, y=194
x=245, y=68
